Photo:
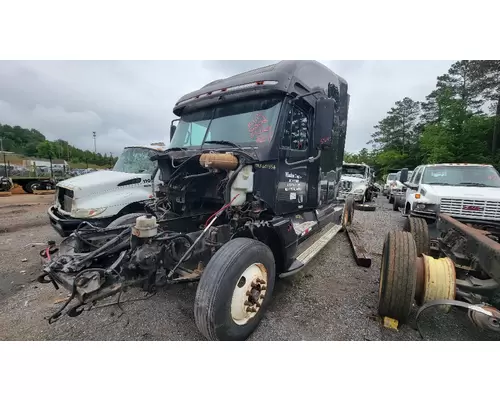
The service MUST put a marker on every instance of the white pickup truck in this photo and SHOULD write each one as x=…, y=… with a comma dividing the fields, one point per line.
x=102, y=196
x=467, y=192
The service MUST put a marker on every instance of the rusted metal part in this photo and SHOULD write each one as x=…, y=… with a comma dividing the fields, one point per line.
x=486, y=322
x=420, y=283
x=491, y=314
x=360, y=254
x=484, y=250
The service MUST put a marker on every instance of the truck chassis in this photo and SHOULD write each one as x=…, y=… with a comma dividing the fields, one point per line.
x=460, y=267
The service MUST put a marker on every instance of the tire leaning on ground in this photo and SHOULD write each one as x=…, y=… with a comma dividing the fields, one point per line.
x=365, y=207
x=234, y=290
x=391, y=199
x=420, y=232
x=397, y=276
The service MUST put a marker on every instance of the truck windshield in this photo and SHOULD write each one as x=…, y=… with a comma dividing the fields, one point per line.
x=391, y=177
x=248, y=122
x=398, y=176
x=462, y=175
x=354, y=170
x=136, y=160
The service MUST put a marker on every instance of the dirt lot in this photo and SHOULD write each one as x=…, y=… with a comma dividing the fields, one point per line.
x=333, y=300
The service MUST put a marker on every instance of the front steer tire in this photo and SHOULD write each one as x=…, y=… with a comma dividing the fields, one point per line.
x=212, y=306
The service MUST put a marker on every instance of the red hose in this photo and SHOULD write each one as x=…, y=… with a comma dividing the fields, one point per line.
x=222, y=209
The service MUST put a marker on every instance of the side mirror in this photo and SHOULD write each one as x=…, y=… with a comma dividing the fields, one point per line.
x=404, y=175
x=323, y=123
x=172, y=128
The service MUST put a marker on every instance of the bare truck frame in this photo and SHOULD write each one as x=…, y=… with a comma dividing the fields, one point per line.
x=239, y=204
x=461, y=267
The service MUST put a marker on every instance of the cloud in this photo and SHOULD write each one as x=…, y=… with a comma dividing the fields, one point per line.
x=130, y=102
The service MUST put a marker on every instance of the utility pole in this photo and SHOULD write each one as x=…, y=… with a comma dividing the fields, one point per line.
x=95, y=148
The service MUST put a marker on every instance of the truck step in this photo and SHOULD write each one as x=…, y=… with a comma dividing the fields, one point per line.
x=311, y=247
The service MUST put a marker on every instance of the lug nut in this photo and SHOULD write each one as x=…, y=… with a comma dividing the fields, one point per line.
x=248, y=293
x=263, y=287
x=257, y=305
x=247, y=303
x=260, y=280
x=262, y=296
x=254, y=285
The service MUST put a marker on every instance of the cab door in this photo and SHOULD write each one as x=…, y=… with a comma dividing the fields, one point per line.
x=299, y=180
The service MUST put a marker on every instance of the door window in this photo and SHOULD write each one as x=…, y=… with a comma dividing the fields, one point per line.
x=296, y=133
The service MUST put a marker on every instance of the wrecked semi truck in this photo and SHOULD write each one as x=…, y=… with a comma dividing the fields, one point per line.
x=239, y=201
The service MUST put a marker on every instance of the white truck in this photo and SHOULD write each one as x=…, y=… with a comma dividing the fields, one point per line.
x=469, y=193
x=102, y=196
x=397, y=189
x=388, y=181
x=357, y=181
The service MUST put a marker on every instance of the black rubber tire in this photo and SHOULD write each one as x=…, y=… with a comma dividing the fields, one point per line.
x=365, y=207
x=397, y=276
x=127, y=219
x=212, y=306
x=420, y=232
x=397, y=203
x=368, y=196
x=28, y=187
x=391, y=200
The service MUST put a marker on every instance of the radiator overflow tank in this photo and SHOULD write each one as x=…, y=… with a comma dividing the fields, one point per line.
x=242, y=185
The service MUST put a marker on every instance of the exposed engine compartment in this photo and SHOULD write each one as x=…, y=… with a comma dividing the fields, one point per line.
x=204, y=200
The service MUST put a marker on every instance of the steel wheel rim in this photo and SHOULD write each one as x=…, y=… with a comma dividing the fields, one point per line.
x=249, y=293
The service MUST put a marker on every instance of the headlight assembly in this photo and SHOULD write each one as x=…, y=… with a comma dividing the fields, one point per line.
x=87, y=212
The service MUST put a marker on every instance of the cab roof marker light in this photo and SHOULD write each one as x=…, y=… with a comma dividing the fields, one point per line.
x=229, y=89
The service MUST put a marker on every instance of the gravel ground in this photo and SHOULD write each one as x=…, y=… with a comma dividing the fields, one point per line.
x=332, y=300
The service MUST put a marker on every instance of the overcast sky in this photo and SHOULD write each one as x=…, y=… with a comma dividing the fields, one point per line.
x=130, y=102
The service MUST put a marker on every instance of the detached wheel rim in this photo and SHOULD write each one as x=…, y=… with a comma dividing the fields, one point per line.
x=249, y=293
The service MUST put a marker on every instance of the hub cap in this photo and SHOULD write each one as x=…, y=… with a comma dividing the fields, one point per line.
x=249, y=293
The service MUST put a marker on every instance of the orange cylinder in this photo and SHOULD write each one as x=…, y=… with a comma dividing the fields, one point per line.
x=224, y=161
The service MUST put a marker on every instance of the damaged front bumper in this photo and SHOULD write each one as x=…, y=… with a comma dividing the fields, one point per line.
x=65, y=225
x=342, y=196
